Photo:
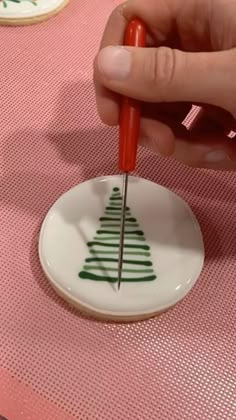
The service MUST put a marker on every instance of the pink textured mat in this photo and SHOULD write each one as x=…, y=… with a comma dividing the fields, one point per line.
x=181, y=366
x=19, y=402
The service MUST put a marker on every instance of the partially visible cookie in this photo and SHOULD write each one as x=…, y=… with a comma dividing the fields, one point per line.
x=28, y=12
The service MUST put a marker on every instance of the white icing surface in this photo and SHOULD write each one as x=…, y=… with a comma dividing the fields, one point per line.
x=25, y=9
x=169, y=226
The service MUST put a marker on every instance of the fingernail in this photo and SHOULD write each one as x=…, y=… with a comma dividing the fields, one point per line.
x=216, y=156
x=114, y=62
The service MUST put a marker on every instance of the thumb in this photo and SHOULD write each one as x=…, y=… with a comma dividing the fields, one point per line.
x=167, y=75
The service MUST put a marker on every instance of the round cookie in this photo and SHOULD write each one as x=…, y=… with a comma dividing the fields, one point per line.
x=28, y=12
x=79, y=246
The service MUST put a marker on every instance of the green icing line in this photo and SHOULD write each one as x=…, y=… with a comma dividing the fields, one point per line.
x=114, y=232
x=92, y=243
x=116, y=198
x=145, y=254
x=116, y=205
x=111, y=238
x=104, y=225
x=5, y=5
x=104, y=219
x=113, y=213
x=125, y=270
x=116, y=213
x=136, y=262
x=91, y=276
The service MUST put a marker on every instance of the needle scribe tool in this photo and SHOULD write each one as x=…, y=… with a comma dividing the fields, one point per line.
x=135, y=36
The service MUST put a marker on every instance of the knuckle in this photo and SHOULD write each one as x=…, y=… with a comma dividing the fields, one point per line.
x=113, y=32
x=117, y=13
x=160, y=67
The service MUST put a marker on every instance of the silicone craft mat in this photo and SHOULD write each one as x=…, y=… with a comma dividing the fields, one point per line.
x=54, y=363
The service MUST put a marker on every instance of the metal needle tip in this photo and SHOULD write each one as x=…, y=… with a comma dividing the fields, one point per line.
x=122, y=227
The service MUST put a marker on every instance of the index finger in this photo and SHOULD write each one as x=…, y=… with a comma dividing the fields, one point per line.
x=160, y=18
x=107, y=101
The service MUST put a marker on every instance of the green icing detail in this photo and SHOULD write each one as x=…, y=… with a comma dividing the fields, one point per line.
x=110, y=225
x=91, y=276
x=92, y=243
x=137, y=253
x=117, y=232
x=116, y=208
x=135, y=262
x=106, y=243
x=125, y=270
x=5, y=2
x=116, y=213
x=111, y=238
x=105, y=219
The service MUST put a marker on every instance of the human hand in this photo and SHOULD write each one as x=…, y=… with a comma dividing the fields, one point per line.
x=190, y=59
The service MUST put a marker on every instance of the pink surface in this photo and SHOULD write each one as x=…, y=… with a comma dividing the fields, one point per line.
x=181, y=366
x=19, y=402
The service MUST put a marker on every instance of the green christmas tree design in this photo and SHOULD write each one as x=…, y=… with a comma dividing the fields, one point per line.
x=5, y=2
x=102, y=264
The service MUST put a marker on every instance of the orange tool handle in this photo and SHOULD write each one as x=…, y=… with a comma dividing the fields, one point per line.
x=130, y=109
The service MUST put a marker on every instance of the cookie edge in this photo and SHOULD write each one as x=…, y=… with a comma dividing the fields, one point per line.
x=90, y=313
